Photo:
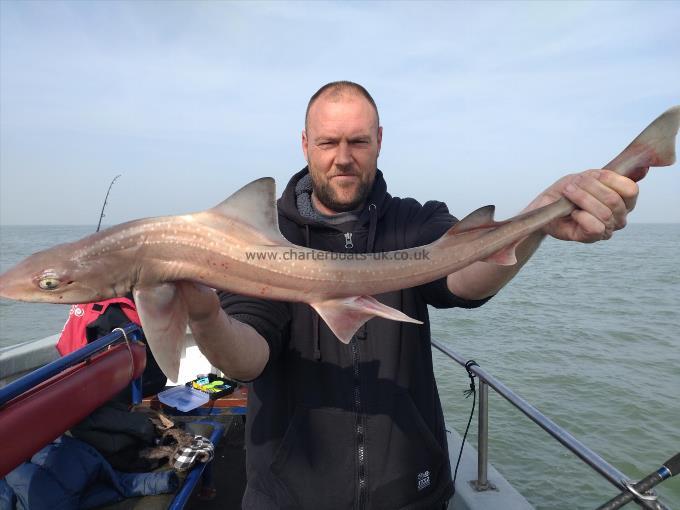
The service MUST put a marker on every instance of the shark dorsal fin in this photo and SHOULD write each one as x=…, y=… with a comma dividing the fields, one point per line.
x=255, y=205
x=482, y=217
x=481, y=220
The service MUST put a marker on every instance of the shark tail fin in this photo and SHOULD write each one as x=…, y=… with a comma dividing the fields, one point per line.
x=479, y=221
x=655, y=146
x=345, y=316
x=164, y=321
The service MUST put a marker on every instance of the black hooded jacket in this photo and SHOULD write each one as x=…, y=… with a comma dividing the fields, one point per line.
x=357, y=426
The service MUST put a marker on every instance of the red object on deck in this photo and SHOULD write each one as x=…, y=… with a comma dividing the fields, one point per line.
x=74, y=335
x=37, y=417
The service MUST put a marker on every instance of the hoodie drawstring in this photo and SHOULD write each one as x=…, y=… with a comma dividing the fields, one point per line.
x=315, y=316
x=372, y=226
x=373, y=221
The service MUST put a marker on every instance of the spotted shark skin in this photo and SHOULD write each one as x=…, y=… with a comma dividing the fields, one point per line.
x=237, y=246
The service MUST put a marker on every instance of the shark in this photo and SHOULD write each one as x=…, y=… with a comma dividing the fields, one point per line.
x=237, y=246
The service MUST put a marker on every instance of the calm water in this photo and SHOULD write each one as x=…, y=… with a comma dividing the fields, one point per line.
x=590, y=334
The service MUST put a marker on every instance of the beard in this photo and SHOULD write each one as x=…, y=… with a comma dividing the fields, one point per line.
x=332, y=197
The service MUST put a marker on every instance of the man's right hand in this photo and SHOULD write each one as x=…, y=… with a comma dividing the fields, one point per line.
x=602, y=198
x=235, y=348
x=202, y=302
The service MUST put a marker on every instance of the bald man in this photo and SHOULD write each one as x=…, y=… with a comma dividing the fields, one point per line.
x=360, y=426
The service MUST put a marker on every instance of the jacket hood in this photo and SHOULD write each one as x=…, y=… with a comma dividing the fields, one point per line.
x=287, y=204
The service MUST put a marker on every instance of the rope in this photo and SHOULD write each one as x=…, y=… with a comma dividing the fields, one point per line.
x=472, y=391
x=129, y=346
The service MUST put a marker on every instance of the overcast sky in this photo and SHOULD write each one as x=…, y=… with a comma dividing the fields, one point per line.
x=481, y=102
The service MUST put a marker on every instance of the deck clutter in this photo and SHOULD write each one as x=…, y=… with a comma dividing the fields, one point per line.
x=85, y=454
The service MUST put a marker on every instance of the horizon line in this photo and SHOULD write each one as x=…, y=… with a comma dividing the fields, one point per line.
x=104, y=226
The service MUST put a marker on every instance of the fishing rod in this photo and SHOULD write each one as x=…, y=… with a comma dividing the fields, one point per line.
x=638, y=491
x=105, y=199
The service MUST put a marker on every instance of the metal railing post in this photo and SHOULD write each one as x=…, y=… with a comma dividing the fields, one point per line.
x=609, y=472
x=585, y=454
x=482, y=483
x=483, y=435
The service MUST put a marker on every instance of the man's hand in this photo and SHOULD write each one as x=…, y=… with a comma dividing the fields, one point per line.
x=202, y=302
x=603, y=200
x=230, y=345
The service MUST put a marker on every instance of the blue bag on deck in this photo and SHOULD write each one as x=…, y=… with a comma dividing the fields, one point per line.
x=69, y=474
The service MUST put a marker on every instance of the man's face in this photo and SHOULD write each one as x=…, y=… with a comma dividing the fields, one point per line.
x=341, y=145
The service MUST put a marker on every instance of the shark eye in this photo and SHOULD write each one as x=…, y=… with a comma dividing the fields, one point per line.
x=49, y=283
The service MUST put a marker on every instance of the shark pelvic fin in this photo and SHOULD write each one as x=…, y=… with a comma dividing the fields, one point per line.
x=255, y=205
x=345, y=316
x=505, y=256
x=164, y=321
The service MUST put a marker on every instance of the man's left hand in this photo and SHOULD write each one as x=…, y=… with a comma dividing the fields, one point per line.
x=602, y=198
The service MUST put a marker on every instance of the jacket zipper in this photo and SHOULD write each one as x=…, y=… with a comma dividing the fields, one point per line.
x=348, y=241
x=359, y=428
x=359, y=424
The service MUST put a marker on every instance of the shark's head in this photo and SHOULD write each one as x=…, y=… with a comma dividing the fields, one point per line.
x=57, y=275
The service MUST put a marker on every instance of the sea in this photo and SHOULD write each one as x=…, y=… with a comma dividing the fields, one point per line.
x=588, y=334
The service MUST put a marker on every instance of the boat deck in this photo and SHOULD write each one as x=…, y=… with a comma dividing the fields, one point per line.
x=228, y=479
x=228, y=472
x=228, y=475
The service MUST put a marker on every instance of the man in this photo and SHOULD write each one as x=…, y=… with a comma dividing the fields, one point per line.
x=360, y=425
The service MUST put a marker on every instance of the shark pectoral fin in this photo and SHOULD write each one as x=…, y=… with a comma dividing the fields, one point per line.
x=345, y=316
x=164, y=320
x=505, y=256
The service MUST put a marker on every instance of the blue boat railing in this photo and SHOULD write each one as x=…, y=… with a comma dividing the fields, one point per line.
x=588, y=456
x=132, y=331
